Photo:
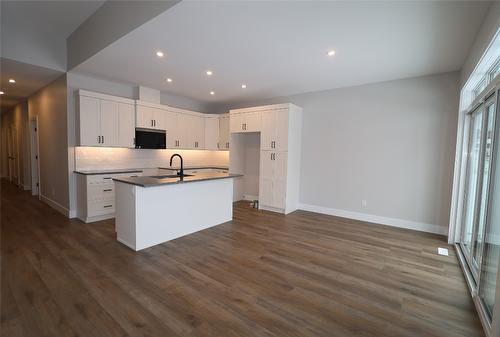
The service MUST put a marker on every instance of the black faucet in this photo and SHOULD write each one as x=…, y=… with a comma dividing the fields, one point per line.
x=181, y=172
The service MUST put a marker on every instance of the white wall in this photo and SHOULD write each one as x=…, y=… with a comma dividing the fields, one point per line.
x=486, y=33
x=50, y=105
x=391, y=144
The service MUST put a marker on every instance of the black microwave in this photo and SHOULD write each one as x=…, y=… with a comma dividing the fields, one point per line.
x=150, y=139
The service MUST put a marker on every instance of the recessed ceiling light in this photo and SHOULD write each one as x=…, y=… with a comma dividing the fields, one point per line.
x=331, y=53
x=12, y=80
x=212, y=93
x=209, y=72
x=169, y=80
x=1, y=92
x=159, y=53
x=244, y=86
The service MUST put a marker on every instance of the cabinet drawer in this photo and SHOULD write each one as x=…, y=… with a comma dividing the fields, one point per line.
x=101, y=207
x=100, y=191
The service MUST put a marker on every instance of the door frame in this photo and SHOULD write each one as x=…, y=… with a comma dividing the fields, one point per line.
x=35, y=157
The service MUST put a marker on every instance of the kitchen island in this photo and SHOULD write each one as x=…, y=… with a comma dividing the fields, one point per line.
x=153, y=210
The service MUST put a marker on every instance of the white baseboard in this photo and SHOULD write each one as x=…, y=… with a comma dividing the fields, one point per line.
x=72, y=213
x=55, y=205
x=418, y=226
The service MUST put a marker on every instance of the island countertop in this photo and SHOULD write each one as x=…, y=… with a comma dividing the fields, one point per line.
x=144, y=181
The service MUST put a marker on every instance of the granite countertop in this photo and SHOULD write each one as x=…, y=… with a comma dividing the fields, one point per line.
x=144, y=181
x=135, y=170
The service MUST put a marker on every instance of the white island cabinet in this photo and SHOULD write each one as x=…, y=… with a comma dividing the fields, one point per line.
x=150, y=211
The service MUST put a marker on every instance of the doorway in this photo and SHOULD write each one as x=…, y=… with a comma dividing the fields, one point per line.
x=35, y=165
x=13, y=156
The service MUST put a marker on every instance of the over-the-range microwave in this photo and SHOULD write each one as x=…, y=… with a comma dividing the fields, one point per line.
x=150, y=139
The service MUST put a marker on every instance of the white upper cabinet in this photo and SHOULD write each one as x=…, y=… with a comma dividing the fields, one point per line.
x=274, y=134
x=212, y=133
x=90, y=118
x=245, y=122
x=150, y=117
x=224, y=132
x=126, y=125
x=105, y=120
x=195, y=132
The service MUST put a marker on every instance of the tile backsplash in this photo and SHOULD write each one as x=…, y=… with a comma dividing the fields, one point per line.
x=91, y=158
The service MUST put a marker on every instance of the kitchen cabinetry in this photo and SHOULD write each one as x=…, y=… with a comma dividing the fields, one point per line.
x=212, y=133
x=105, y=120
x=280, y=147
x=150, y=117
x=195, y=132
x=274, y=134
x=96, y=195
x=242, y=122
x=224, y=132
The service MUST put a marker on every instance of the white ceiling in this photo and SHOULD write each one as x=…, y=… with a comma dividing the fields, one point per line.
x=35, y=32
x=279, y=48
x=29, y=79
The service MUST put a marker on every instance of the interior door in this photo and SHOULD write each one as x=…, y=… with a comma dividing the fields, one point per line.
x=126, y=125
x=89, y=121
x=109, y=123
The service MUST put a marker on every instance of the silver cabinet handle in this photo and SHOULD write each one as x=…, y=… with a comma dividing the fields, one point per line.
x=99, y=139
x=102, y=139
x=108, y=206
x=107, y=190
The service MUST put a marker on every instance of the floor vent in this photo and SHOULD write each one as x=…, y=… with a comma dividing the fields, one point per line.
x=443, y=251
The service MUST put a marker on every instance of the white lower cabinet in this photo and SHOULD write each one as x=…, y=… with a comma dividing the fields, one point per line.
x=96, y=196
x=272, y=180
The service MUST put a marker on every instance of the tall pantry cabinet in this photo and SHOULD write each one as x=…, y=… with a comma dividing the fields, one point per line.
x=280, y=147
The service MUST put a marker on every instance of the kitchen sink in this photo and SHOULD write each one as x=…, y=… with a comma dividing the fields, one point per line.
x=171, y=176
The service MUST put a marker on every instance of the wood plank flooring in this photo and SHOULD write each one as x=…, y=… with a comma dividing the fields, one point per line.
x=263, y=274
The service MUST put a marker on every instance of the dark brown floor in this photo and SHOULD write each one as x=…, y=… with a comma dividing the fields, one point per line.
x=264, y=274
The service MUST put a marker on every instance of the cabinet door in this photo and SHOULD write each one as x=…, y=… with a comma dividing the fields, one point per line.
x=236, y=123
x=281, y=135
x=279, y=193
x=212, y=133
x=183, y=124
x=170, y=122
x=224, y=133
x=89, y=111
x=109, y=123
x=268, y=133
x=252, y=121
x=126, y=125
x=279, y=179
x=266, y=164
x=144, y=117
x=266, y=194
x=159, y=119
x=198, y=130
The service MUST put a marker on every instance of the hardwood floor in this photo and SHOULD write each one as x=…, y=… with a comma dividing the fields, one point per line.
x=264, y=274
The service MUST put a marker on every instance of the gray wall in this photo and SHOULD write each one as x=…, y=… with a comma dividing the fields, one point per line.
x=49, y=104
x=391, y=144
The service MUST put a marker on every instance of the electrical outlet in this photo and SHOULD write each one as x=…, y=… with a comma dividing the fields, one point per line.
x=443, y=251
x=364, y=203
